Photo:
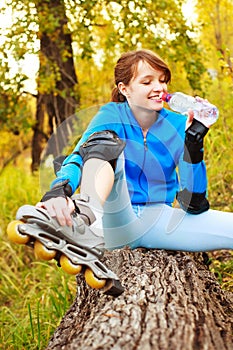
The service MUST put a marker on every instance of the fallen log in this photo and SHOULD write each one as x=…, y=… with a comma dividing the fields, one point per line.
x=171, y=301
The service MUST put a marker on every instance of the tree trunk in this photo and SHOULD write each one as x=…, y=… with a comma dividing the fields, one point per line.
x=58, y=95
x=171, y=301
x=39, y=138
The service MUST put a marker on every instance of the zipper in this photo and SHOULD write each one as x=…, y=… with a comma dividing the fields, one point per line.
x=144, y=140
x=145, y=143
x=144, y=160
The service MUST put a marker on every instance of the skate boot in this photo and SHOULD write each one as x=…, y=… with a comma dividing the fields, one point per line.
x=77, y=249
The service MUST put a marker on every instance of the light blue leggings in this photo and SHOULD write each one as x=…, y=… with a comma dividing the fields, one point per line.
x=161, y=226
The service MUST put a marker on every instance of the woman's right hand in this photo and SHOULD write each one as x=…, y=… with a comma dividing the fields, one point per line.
x=60, y=208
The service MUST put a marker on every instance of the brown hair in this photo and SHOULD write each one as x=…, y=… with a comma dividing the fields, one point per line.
x=126, y=69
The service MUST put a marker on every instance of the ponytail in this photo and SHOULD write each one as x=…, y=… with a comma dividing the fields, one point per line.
x=117, y=96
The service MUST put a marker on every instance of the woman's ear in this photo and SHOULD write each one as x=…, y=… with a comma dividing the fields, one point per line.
x=123, y=89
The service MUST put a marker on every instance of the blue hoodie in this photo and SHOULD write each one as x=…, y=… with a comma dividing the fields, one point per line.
x=154, y=167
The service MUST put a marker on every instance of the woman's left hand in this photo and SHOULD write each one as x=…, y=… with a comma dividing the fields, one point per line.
x=190, y=116
x=190, y=113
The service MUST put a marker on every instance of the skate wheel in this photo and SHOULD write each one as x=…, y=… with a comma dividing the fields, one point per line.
x=13, y=233
x=43, y=253
x=69, y=267
x=93, y=281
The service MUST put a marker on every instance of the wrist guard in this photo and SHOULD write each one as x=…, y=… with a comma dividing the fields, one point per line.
x=193, y=150
x=61, y=189
x=191, y=202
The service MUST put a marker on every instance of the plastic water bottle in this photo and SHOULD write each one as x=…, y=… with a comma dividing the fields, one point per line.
x=204, y=112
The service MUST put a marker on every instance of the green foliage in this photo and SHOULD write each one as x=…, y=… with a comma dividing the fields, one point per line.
x=12, y=144
x=101, y=30
x=215, y=21
x=222, y=267
x=17, y=42
x=111, y=27
x=34, y=295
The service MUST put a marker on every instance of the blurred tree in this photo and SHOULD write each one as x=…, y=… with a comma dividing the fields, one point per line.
x=90, y=36
x=215, y=18
x=57, y=80
x=57, y=96
x=216, y=33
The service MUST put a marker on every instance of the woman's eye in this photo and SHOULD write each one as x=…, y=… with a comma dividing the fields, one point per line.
x=146, y=83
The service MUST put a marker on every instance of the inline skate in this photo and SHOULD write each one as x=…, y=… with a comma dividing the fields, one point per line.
x=77, y=249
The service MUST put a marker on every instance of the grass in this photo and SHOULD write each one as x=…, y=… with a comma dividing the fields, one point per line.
x=222, y=267
x=34, y=295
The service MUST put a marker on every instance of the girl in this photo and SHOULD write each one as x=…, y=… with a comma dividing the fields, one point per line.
x=131, y=163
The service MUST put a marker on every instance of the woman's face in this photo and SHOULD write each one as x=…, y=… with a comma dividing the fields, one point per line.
x=144, y=88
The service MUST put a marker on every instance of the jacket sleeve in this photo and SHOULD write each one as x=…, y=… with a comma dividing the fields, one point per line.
x=71, y=169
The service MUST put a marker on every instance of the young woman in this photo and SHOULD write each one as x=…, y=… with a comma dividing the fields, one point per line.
x=132, y=162
x=128, y=169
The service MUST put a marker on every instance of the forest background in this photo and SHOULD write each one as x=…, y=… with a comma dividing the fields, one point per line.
x=40, y=89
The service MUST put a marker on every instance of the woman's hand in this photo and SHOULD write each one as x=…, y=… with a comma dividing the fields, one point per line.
x=190, y=113
x=190, y=116
x=60, y=208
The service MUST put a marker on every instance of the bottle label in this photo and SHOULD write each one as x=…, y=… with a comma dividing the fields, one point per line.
x=182, y=105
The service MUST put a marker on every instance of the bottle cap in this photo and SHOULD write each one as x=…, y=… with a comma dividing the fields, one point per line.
x=166, y=96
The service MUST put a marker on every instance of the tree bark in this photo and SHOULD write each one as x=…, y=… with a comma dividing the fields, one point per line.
x=171, y=301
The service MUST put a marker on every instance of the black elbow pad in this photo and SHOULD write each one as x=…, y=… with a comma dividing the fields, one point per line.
x=193, y=203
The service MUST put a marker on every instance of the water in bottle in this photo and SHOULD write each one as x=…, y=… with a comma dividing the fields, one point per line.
x=204, y=112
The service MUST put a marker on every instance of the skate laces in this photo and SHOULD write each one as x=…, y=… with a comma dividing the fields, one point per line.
x=85, y=212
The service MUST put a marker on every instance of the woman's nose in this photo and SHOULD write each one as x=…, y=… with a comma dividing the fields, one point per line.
x=158, y=86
